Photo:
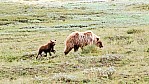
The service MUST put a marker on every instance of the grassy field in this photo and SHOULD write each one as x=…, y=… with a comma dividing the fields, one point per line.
x=122, y=26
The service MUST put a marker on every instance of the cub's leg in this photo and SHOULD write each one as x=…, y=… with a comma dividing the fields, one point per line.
x=39, y=53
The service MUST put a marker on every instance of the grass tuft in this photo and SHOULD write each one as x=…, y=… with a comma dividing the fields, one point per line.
x=90, y=49
x=64, y=77
x=141, y=7
x=29, y=55
x=133, y=31
x=105, y=60
x=100, y=72
x=147, y=50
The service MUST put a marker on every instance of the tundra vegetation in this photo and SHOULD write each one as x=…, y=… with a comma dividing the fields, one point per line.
x=122, y=26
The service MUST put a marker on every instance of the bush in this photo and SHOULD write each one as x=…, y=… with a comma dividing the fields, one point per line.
x=133, y=31
x=10, y=58
x=105, y=60
x=64, y=77
x=148, y=50
x=119, y=39
x=100, y=72
x=141, y=7
x=111, y=57
x=28, y=55
x=90, y=49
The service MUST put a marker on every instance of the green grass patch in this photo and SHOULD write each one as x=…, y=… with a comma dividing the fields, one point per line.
x=90, y=49
x=124, y=33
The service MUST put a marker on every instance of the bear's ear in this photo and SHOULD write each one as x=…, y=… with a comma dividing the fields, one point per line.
x=97, y=39
x=52, y=41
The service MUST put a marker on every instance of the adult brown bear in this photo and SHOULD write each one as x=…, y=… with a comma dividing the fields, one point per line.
x=48, y=48
x=81, y=39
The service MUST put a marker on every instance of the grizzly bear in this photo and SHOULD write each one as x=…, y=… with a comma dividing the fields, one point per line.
x=81, y=39
x=48, y=48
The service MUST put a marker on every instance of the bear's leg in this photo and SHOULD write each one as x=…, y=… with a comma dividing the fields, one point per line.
x=50, y=53
x=37, y=56
x=39, y=53
x=67, y=50
x=76, y=47
x=45, y=54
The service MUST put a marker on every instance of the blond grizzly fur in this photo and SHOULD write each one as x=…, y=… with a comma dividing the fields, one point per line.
x=81, y=39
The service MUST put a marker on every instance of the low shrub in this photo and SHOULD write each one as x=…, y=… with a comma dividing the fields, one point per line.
x=100, y=72
x=64, y=77
x=133, y=31
x=90, y=49
x=148, y=50
x=105, y=60
x=119, y=39
x=141, y=7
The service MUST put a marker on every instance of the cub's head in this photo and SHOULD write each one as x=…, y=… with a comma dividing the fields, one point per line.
x=52, y=42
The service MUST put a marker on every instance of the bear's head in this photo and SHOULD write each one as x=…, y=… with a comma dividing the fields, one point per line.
x=52, y=42
x=99, y=43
